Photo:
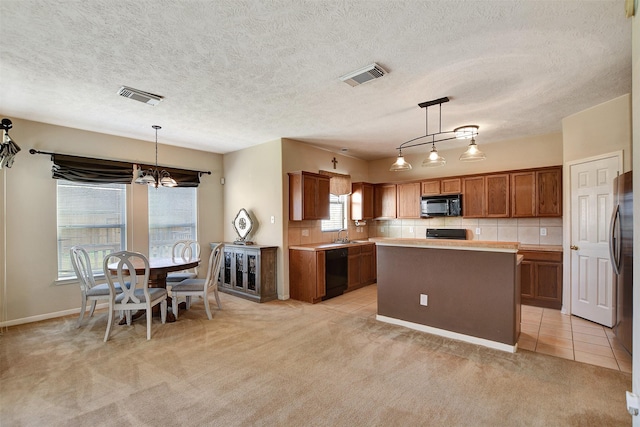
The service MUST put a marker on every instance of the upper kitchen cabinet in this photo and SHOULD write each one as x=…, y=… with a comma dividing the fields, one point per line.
x=486, y=196
x=361, y=201
x=308, y=196
x=384, y=197
x=473, y=197
x=549, y=192
x=408, y=200
x=497, y=196
x=537, y=193
x=442, y=186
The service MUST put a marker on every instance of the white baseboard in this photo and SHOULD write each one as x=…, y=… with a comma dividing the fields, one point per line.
x=449, y=334
x=47, y=316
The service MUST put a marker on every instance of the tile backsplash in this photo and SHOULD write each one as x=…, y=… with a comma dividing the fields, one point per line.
x=527, y=231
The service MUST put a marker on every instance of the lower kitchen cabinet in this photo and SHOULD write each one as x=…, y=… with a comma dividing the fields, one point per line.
x=307, y=271
x=249, y=272
x=541, y=279
x=307, y=275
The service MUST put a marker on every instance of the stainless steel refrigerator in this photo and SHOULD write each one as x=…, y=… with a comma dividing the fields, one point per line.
x=621, y=250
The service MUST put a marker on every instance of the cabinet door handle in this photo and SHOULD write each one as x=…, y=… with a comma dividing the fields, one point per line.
x=574, y=247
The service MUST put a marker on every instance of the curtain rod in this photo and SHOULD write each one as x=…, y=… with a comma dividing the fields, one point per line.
x=34, y=151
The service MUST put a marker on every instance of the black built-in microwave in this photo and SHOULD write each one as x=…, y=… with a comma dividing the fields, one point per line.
x=444, y=205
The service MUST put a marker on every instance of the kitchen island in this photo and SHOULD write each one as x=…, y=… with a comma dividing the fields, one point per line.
x=466, y=290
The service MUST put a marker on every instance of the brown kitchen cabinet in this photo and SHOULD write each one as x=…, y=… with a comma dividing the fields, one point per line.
x=362, y=266
x=473, y=191
x=497, y=196
x=308, y=196
x=541, y=279
x=408, y=200
x=307, y=275
x=486, y=196
x=537, y=193
x=361, y=201
x=442, y=186
x=384, y=196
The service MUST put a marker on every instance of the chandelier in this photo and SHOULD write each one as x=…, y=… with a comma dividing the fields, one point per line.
x=8, y=148
x=435, y=159
x=153, y=176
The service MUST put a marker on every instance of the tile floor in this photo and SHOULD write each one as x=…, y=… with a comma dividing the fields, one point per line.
x=543, y=330
x=548, y=331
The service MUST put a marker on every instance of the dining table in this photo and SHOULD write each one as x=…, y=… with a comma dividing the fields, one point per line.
x=158, y=270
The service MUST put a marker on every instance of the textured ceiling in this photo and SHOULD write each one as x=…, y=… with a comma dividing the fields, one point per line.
x=240, y=73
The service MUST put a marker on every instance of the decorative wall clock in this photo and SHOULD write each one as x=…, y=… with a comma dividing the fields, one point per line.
x=243, y=225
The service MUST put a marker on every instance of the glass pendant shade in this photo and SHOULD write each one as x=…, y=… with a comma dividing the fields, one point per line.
x=473, y=154
x=400, y=164
x=434, y=159
x=153, y=176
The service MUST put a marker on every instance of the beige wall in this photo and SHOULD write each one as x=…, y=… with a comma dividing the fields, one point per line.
x=31, y=259
x=517, y=153
x=253, y=180
x=298, y=156
x=604, y=128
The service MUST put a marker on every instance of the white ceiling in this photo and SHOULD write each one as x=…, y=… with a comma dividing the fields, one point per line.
x=240, y=73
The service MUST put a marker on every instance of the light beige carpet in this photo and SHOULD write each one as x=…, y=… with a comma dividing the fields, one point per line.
x=286, y=363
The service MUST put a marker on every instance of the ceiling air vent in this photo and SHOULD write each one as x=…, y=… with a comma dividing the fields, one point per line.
x=365, y=74
x=139, y=95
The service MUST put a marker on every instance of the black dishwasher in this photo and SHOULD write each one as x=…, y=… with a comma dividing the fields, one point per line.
x=336, y=272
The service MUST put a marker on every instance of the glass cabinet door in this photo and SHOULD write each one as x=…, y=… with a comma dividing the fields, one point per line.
x=239, y=256
x=252, y=272
x=227, y=269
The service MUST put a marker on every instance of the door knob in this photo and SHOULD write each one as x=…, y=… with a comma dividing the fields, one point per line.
x=574, y=247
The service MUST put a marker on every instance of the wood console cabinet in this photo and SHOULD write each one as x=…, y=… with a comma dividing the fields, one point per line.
x=361, y=201
x=541, y=279
x=249, y=272
x=308, y=196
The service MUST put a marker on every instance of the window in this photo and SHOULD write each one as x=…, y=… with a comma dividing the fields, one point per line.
x=337, y=214
x=173, y=215
x=92, y=216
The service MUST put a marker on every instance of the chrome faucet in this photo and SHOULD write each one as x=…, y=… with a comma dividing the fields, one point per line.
x=343, y=239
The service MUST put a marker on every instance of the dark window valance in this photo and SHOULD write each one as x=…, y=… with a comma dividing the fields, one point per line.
x=86, y=169
x=184, y=178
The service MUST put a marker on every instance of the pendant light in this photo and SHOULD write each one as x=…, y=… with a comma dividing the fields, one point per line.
x=473, y=153
x=435, y=159
x=400, y=164
x=153, y=176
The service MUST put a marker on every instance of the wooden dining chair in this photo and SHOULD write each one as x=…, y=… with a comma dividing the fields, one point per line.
x=138, y=295
x=187, y=250
x=90, y=291
x=200, y=287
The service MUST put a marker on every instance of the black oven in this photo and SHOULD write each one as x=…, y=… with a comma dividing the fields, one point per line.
x=446, y=205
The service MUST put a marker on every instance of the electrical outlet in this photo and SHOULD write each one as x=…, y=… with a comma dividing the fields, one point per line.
x=359, y=229
x=382, y=229
x=424, y=299
x=410, y=229
x=305, y=232
x=543, y=231
x=478, y=231
x=273, y=219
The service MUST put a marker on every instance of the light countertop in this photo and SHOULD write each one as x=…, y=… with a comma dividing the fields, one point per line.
x=472, y=245
x=329, y=246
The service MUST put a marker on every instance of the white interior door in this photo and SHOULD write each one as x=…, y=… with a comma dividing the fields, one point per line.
x=592, y=277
